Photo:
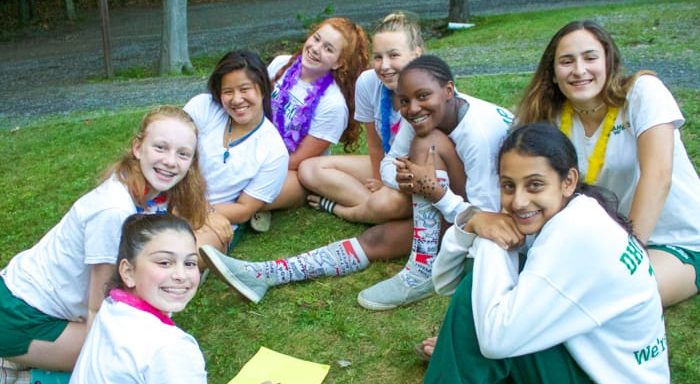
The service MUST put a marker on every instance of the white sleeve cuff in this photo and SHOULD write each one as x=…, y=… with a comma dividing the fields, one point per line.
x=451, y=262
x=387, y=170
x=450, y=205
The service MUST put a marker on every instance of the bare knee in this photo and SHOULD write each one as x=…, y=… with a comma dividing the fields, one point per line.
x=308, y=169
x=387, y=241
x=387, y=202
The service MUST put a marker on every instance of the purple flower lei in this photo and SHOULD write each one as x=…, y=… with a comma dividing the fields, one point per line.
x=299, y=124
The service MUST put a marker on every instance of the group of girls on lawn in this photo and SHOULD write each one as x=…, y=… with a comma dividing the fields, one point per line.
x=436, y=157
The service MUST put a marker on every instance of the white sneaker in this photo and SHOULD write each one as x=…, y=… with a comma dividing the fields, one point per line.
x=261, y=221
x=234, y=273
x=393, y=292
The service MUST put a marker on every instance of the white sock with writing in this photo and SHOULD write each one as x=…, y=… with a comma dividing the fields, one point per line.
x=427, y=221
x=336, y=259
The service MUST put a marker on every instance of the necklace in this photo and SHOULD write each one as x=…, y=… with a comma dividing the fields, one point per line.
x=588, y=112
x=597, y=157
x=299, y=124
x=385, y=109
x=233, y=142
x=229, y=131
x=157, y=205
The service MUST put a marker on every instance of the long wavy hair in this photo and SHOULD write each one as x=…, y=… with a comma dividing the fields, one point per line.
x=187, y=198
x=543, y=100
x=353, y=59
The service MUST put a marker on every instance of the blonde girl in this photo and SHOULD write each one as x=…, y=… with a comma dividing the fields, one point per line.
x=350, y=185
x=50, y=293
x=312, y=97
x=133, y=339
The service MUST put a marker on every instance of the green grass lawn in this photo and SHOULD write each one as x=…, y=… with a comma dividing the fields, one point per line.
x=46, y=166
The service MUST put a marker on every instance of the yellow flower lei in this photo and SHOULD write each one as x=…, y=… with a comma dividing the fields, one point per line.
x=597, y=158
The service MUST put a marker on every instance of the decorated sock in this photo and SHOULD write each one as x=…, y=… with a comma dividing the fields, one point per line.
x=336, y=259
x=426, y=237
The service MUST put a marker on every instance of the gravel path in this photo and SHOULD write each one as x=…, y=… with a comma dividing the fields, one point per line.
x=46, y=74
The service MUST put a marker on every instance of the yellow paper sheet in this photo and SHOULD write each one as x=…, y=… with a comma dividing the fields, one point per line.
x=278, y=368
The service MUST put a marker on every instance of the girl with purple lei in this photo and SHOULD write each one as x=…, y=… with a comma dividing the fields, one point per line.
x=350, y=186
x=313, y=96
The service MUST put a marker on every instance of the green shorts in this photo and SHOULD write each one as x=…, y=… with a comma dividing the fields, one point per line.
x=685, y=255
x=21, y=323
x=238, y=233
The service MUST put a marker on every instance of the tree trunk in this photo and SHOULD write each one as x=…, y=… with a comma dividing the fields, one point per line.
x=25, y=12
x=70, y=10
x=174, y=54
x=106, y=38
x=458, y=11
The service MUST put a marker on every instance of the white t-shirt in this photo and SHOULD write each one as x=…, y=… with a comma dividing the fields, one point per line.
x=331, y=115
x=256, y=166
x=53, y=276
x=649, y=103
x=477, y=139
x=585, y=283
x=368, y=101
x=128, y=345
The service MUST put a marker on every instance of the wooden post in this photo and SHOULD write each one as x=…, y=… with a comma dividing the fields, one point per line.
x=106, y=38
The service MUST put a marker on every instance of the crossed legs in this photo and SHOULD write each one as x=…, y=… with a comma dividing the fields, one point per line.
x=344, y=180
